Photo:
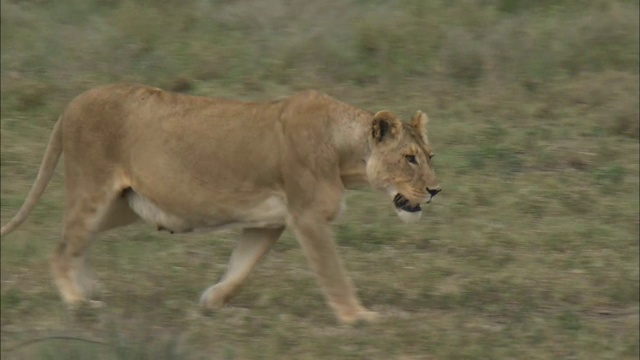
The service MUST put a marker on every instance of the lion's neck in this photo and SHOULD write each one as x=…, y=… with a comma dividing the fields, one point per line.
x=352, y=136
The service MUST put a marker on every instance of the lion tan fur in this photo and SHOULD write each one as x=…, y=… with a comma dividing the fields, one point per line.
x=189, y=163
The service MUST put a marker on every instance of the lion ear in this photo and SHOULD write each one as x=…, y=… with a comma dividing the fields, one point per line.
x=385, y=126
x=419, y=121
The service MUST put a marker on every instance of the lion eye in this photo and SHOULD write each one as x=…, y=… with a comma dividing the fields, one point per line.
x=431, y=156
x=411, y=159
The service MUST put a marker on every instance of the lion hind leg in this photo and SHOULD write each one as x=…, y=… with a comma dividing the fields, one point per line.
x=119, y=213
x=253, y=244
x=85, y=217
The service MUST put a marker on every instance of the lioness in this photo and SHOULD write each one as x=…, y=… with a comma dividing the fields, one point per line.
x=186, y=163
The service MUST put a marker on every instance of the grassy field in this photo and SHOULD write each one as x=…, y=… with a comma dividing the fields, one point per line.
x=530, y=252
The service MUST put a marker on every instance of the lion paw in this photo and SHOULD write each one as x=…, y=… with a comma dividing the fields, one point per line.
x=362, y=316
x=212, y=299
x=82, y=304
x=95, y=304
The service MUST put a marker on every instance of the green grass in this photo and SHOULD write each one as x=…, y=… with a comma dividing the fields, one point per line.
x=530, y=252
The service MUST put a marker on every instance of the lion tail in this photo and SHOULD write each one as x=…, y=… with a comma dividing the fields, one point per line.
x=49, y=162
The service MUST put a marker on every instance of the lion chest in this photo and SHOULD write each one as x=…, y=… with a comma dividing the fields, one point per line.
x=270, y=212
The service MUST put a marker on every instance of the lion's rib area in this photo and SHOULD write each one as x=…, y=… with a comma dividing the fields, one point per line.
x=270, y=213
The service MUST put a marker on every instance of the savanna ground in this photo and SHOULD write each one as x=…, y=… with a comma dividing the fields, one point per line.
x=530, y=252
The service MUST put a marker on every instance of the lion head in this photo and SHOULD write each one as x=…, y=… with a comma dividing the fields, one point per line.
x=400, y=163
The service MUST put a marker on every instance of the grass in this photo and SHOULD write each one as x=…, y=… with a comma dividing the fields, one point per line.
x=531, y=250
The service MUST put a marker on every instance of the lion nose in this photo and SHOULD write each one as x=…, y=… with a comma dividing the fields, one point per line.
x=433, y=192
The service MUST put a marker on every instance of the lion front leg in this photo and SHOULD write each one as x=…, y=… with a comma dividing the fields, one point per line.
x=253, y=244
x=316, y=239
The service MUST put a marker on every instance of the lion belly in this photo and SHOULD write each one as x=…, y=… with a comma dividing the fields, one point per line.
x=270, y=212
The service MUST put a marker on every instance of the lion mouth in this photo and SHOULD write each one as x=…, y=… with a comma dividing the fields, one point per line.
x=403, y=203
